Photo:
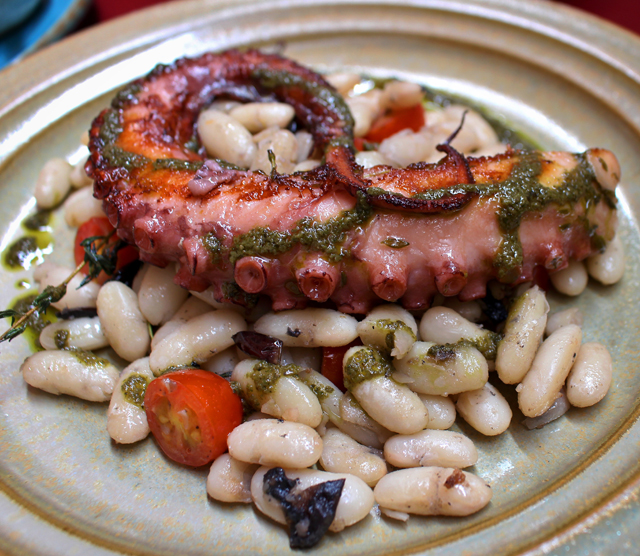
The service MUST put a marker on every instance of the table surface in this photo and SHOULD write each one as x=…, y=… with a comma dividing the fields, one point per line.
x=625, y=13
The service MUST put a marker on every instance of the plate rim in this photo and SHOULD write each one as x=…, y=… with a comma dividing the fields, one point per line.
x=20, y=91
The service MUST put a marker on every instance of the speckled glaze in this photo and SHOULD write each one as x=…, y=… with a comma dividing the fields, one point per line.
x=566, y=79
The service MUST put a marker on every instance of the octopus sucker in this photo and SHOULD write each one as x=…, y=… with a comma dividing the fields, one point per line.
x=340, y=232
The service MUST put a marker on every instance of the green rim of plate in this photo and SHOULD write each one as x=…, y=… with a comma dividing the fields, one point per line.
x=565, y=78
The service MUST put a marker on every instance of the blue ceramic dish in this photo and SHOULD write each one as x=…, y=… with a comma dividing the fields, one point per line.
x=51, y=20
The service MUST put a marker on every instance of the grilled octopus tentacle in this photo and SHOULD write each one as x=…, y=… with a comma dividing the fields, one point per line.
x=340, y=232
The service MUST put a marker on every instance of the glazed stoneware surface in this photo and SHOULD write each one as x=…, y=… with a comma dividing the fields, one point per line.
x=565, y=79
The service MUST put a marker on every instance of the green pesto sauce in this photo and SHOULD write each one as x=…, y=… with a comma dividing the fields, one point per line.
x=487, y=344
x=38, y=221
x=391, y=327
x=326, y=237
x=134, y=388
x=127, y=95
x=176, y=164
x=61, y=339
x=27, y=250
x=265, y=376
x=232, y=292
x=446, y=352
x=272, y=79
x=395, y=242
x=365, y=364
x=36, y=322
x=321, y=391
x=88, y=359
x=214, y=246
x=127, y=160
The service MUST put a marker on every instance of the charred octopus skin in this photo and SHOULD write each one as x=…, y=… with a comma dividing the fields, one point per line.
x=338, y=232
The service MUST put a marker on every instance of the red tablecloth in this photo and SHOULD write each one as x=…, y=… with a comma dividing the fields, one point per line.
x=623, y=12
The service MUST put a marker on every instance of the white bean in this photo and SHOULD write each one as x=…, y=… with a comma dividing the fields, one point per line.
x=52, y=184
x=305, y=146
x=208, y=296
x=369, y=159
x=275, y=443
x=401, y=94
x=485, y=410
x=389, y=328
x=608, y=267
x=442, y=325
x=343, y=82
x=442, y=370
x=82, y=333
x=197, y=340
x=226, y=138
x=431, y=448
x=356, y=500
x=256, y=116
x=270, y=390
x=400, y=516
x=392, y=405
x=307, y=358
x=41, y=271
x=365, y=109
x=523, y=331
x=223, y=362
x=407, y=147
x=126, y=418
x=327, y=393
x=224, y=105
x=78, y=177
x=571, y=280
x=549, y=370
x=159, y=296
x=305, y=166
x=192, y=307
x=309, y=327
x=75, y=297
x=441, y=410
x=562, y=318
x=476, y=133
x=591, y=375
x=342, y=454
x=122, y=322
x=432, y=491
x=469, y=310
x=74, y=372
x=82, y=206
x=137, y=280
x=359, y=425
x=229, y=480
x=283, y=144
x=490, y=149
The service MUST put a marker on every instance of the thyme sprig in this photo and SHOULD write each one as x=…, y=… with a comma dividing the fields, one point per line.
x=97, y=255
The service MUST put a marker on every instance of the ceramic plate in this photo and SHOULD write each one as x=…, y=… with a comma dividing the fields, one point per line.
x=51, y=20
x=567, y=80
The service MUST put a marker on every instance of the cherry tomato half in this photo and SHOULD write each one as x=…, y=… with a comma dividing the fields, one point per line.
x=395, y=121
x=100, y=226
x=191, y=413
x=332, y=363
